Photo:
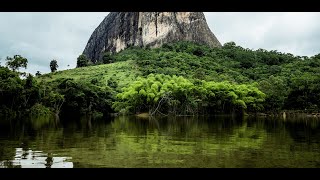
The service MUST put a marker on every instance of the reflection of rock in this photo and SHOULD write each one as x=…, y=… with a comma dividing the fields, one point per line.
x=36, y=159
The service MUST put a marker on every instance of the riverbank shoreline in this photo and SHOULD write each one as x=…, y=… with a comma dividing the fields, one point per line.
x=285, y=114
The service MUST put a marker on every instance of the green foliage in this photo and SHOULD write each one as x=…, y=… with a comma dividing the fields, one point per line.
x=18, y=95
x=95, y=81
x=40, y=110
x=176, y=95
x=224, y=96
x=82, y=61
x=31, y=92
x=275, y=72
x=112, y=82
x=54, y=65
x=122, y=72
x=107, y=58
x=81, y=97
x=11, y=86
x=177, y=78
x=52, y=99
x=38, y=73
x=304, y=93
x=276, y=91
x=16, y=62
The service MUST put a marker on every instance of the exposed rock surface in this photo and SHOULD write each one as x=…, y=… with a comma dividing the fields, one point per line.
x=122, y=29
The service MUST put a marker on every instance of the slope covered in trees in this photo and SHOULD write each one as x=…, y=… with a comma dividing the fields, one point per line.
x=179, y=78
x=289, y=82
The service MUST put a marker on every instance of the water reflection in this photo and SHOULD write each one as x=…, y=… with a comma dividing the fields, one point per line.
x=36, y=159
x=129, y=141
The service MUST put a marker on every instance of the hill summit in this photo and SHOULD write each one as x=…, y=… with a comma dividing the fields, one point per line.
x=120, y=30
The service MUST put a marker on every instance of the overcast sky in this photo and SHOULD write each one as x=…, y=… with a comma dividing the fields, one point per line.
x=41, y=37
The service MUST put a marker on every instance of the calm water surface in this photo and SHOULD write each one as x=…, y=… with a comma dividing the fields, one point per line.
x=220, y=141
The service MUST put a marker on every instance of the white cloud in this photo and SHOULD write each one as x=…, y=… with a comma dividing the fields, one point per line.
x=291, y=32
x=41, y=37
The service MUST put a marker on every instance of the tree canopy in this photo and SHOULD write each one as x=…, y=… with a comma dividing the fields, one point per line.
x=16, y=62
x=54, y=65
x=180, y=78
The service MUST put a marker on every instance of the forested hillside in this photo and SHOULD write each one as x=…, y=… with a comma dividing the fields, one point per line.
x=180, y=78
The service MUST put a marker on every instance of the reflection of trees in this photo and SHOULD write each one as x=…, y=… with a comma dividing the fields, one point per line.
x=39, y=122
x=305, y=131
x=8, y=164
x=220, y=141
x=129, y=141
x=299, y=129
x=186, y=126
x=49, y=160
x=187, y=137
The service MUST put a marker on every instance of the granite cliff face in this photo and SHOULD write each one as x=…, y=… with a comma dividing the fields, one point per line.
x=122, y=29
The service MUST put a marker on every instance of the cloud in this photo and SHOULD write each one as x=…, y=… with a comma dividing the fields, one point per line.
x=290, y=32
x=41, y=37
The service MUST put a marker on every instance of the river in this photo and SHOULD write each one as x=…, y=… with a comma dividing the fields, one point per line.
x=129, y=141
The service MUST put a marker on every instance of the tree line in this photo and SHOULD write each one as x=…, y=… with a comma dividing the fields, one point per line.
x=180, y=78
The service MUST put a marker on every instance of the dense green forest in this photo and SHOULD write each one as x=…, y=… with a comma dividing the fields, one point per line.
x=180, y=78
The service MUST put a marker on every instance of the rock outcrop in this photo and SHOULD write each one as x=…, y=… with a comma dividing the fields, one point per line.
x=123, y=29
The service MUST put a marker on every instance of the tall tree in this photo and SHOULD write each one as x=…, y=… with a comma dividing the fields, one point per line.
x=54, y=65
x=82, y=61
x=16, y=62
